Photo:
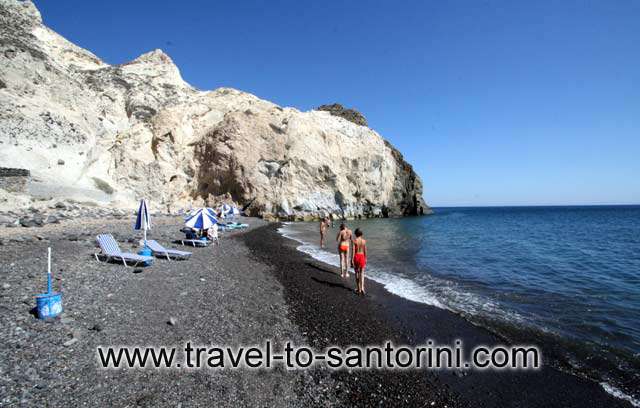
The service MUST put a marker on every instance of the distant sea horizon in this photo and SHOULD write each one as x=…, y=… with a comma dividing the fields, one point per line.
x=531, y=205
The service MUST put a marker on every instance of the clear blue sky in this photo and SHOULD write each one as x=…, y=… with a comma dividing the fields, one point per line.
x=493, y=102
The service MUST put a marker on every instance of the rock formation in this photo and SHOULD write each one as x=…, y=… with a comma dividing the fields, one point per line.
x=110, y=134
x=351, y=115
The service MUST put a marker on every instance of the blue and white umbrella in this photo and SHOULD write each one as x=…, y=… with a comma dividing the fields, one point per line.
x=143, y=220
x=194, y=211
x=190, y=213
x=212, y=213
x=225, y=209
x=202, y=219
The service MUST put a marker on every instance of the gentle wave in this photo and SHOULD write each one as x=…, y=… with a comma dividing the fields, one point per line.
x=619, y=394
x=436, y=292
x=394, y=284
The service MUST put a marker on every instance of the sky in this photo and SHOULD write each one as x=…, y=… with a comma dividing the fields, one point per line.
x=492, y=102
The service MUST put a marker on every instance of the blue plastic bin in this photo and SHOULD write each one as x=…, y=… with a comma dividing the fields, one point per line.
x=49, y=305
x=145, y=251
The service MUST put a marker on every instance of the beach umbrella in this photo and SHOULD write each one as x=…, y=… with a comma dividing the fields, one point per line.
x=212, y=213
x=202, y=219
x=194, y=211
x=143, y=221
x=225, y=208
x=190, y=213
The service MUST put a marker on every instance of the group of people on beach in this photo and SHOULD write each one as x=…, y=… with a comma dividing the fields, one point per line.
x=211, y=233
x=352, y=248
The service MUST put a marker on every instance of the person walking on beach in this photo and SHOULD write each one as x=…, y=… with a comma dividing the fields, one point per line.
x=344, y=240
x=359, y=260
x=349, y=252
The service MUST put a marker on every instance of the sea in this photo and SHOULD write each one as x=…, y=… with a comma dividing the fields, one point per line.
x=564, y=278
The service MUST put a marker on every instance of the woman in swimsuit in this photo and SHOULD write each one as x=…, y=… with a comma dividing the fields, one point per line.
x=359, y=260
x=343, y=239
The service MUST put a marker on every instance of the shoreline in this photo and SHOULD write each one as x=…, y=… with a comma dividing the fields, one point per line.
x=256, y=285
x=415, y=322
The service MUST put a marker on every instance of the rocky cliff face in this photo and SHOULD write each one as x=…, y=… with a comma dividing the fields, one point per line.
x=110, y=134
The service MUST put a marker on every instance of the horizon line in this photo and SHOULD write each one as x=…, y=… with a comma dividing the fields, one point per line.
x=536, y=205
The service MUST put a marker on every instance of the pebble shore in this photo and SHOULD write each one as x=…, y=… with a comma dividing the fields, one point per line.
x=254, y=287
x=222, y=295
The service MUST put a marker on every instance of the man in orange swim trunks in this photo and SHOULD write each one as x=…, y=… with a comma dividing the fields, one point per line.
x=359, y=260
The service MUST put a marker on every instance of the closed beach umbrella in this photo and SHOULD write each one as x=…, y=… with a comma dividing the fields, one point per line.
x=201, y=220
x=143, y=221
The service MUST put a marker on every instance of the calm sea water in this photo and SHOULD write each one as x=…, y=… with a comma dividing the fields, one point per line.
x=567, y=278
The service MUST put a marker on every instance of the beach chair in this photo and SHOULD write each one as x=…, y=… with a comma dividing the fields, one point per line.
x=194, y=242
x=236, y=225
x=159, y=250
x=111, y=250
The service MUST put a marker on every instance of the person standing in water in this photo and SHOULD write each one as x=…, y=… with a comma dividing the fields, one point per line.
x=359, y=260
x=324, y=224
x=344, y=240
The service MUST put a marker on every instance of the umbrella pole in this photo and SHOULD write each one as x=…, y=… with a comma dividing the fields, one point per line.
x=49, y=284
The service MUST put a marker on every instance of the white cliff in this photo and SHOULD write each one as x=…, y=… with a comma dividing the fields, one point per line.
x=110, y=134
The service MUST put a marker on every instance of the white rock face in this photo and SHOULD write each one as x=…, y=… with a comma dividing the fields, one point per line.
x=112, y=134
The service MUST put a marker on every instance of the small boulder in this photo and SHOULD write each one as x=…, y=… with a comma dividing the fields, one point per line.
x=5, y=219
x=52, y=219
x=27, y=222
x=70, y=342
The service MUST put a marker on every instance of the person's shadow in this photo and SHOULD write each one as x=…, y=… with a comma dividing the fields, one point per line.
x=322, y=269
x=331, y=284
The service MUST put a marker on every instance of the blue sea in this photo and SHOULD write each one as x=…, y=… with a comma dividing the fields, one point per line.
x=566, y=278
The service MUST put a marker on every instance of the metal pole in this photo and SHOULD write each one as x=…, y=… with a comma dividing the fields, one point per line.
x=49, y=288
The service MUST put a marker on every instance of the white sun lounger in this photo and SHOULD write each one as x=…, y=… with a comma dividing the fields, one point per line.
x=111, y=250
x=194, y=242
x=159, y=250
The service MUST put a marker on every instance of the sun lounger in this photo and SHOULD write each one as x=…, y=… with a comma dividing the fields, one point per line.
x=111, y=251
x=236, y=225
x=159, y=250
x=194, y=242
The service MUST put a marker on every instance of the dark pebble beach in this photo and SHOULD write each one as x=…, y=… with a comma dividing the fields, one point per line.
x=327, y=309
x=254, y=287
